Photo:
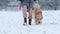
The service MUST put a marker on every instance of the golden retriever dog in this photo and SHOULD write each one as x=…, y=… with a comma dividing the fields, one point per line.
x=38, y=13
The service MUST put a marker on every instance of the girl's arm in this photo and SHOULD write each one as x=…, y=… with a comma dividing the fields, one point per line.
x=19, y=4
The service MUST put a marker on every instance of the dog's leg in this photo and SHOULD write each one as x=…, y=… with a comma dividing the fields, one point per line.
x=36, y=21
x=39, y=22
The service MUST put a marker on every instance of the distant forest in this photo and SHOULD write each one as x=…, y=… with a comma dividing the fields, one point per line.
x=44, y=4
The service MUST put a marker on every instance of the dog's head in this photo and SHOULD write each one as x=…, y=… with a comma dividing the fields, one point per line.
x=36, y=6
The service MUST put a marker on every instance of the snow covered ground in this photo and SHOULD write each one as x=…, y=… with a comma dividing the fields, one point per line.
x=11, y=23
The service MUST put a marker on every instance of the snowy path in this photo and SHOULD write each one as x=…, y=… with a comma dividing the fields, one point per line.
x=11, y=23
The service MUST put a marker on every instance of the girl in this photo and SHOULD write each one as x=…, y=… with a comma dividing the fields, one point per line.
x=27, y=4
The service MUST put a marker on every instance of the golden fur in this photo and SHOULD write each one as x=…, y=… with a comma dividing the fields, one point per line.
x=38, y=13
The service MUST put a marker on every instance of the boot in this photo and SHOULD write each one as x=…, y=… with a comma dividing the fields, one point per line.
x=25, y=21
x=29, y=21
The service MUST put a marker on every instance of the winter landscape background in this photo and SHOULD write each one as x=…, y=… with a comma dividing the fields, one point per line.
x=11, y=19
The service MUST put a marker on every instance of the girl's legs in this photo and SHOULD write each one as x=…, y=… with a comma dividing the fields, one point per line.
x=25, y=14
x=30, y=15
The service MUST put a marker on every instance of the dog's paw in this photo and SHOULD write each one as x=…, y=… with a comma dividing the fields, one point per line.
x=37, y=23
